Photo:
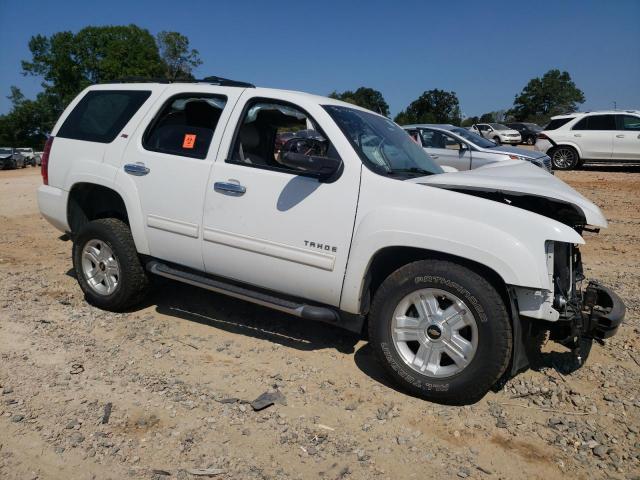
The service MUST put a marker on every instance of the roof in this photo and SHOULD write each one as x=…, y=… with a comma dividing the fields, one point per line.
x=596, y=112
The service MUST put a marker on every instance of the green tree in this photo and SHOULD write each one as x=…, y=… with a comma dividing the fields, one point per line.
x=467, y=122
x=28, y=121
x=433, y=106
x=541, y=98
x=364, y=97
x=178, y=58
x=69, y=62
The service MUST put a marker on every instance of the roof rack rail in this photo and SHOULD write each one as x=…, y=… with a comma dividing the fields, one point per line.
x=212, y=80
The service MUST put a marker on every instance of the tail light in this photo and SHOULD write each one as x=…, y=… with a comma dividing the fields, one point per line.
x=542, y=136
x=44, y=161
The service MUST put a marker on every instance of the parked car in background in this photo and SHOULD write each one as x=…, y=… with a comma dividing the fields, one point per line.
x=457, y=147
x=528, y=131
x=11, y=158
x=38, y=158
x=575, y=138
x=497, y=132
x=29, y=155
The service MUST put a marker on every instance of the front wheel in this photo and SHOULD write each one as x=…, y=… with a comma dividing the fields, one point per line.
x=497, y=140
x=441, y=331
x=107, y=265
x=531, y=140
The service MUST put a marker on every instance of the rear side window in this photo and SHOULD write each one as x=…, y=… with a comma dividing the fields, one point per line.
x=596, y=122
x=102, y=114
x=557, y=123
x=185, y=125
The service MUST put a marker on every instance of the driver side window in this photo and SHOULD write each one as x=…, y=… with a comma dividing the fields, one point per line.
x=269, y=129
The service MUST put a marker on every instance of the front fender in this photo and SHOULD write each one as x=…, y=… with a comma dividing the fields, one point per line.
x=513, y=245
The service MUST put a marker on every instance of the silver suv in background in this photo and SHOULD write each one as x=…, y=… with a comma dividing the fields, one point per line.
x=457, y=147
x=575, y=138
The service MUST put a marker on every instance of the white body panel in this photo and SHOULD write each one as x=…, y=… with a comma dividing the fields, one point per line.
x=626, y=145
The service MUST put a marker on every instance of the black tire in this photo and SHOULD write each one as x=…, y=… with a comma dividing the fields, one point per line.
x=497, y=140
x=132, y=281
x=531, y=140
x=494, y=332
x=564, y=157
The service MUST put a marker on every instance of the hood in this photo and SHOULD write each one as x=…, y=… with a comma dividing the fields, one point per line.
x=522, y=185
x=5, y=155
x=517, y=151
x=508, y=132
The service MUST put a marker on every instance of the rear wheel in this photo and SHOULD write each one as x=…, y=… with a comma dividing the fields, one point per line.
x=531, y=140
x=564, y=158
x=441, y=331
x=107, y=265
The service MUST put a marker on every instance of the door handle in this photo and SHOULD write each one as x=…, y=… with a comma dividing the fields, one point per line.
x=138, y=169
x=230, y=188
x=577, y=134
x=619, y=136
x=435, y=156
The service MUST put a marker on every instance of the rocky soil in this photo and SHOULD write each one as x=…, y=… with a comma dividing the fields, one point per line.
x=164, y=391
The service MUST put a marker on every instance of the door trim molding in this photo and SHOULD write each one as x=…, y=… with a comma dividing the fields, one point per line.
x=173, y=226
x=321, y=260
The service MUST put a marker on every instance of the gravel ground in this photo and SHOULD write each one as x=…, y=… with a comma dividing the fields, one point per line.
x=163, y=392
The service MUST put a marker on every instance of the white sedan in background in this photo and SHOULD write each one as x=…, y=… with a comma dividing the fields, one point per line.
x=497, y=132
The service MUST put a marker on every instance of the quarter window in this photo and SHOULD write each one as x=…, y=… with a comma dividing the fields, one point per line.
x=185, y=125
x=269, y=129
x=557, y=123
x=102, y=114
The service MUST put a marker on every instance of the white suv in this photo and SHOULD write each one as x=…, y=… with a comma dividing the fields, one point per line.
x=354, y=225
x=575, y=138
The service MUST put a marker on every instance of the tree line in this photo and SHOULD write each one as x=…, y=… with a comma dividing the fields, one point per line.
x=68, y=62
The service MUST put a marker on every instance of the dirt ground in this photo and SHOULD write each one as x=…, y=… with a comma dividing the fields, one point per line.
x=177, y=371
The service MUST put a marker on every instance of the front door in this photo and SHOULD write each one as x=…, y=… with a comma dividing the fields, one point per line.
x=446, y=149
x=626, y=142
x=169, y=159
x=266, y=224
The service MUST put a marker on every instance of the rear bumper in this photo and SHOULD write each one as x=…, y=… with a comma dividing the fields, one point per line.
x=52, y=203
x=604, y=311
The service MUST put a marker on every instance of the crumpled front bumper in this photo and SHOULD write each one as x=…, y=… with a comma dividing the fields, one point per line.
x=603, y=311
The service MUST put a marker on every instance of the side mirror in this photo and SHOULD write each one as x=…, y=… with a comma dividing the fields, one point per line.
x=307, y=155
x=320, y=167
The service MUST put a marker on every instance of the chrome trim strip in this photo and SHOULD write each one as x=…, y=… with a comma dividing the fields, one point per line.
x=321, y=260
x=173, y=226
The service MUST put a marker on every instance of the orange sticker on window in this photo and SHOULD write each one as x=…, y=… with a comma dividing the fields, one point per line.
x=189, y=140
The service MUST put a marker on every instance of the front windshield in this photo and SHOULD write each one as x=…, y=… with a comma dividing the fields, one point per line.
x=533, y=126
x=473, y=137
x=5, y=150
x=498, y=126
x=381, y=144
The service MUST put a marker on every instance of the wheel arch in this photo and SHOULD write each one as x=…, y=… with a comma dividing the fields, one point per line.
x=91, y=201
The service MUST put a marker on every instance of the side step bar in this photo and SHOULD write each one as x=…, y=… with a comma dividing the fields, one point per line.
x=309, y=312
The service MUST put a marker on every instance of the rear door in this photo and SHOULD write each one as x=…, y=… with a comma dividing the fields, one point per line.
x=626, y=142
x=445, y=149
x=169, y=159
x=594, y=135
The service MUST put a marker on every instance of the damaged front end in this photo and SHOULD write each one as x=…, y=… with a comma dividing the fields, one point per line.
x=586, y=313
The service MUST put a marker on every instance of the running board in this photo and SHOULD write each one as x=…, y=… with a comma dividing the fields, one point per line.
x=309, y=312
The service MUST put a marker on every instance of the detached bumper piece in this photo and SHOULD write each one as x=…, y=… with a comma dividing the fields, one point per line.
x=603, y=311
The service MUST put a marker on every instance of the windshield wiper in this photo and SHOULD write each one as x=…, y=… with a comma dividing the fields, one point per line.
x=421, y=171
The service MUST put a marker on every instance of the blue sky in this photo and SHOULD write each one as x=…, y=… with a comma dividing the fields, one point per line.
x=485, y=51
